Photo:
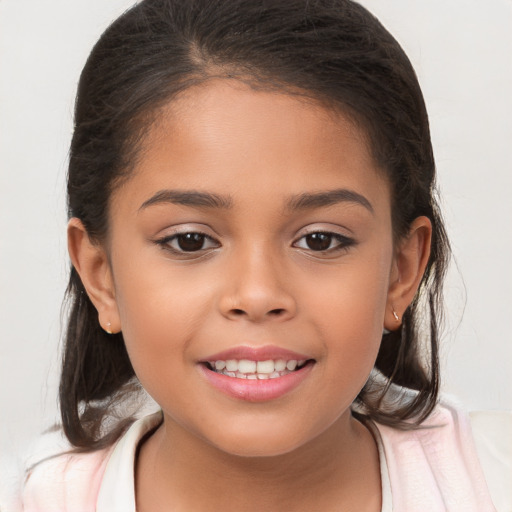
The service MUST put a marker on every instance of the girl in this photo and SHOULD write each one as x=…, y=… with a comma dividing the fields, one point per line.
x=256, y=243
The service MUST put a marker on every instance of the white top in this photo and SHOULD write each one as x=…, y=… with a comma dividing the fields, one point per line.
x=435, y=468
x=117, y=493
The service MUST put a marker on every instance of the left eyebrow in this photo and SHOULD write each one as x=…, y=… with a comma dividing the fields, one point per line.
x=192, y=198
x=320, y=199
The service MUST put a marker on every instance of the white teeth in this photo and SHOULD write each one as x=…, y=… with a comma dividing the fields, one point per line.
x=246, y=366
x=252, y=370
x=280, y=365
x=291, y=365
x=231, y=365
x=265, y=366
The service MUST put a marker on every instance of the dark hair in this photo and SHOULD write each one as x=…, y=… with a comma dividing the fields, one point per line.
x=334, y=51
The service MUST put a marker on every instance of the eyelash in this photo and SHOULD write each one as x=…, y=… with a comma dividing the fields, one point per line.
x=344, y=242
x=166, y=242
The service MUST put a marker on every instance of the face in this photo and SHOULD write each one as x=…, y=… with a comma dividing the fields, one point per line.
x=251, y=257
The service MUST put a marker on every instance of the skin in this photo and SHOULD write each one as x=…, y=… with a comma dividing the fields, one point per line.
x=256, y=282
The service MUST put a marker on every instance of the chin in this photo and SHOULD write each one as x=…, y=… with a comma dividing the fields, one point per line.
x=258, y=443
x=259, y=450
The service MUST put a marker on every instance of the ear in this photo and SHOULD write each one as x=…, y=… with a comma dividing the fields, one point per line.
x=409, y=264
x=91, y=262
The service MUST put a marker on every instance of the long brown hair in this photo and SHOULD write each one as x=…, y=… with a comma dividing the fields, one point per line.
x=332, y=50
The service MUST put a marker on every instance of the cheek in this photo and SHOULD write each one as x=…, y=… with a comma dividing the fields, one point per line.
x=348, y=314
x=160, y=312
x=354, y=297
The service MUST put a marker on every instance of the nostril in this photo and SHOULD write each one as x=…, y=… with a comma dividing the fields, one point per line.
x=257, y=314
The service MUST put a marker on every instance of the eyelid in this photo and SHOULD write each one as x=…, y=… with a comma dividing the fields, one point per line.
x=182, y=229
x=326, y=227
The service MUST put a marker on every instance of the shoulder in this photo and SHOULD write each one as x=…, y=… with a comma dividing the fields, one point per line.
x=68, y=482
x=492, y=432
x=436, y=466
x=88, y=482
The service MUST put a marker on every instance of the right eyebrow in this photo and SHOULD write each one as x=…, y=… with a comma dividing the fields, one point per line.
x=192, y=198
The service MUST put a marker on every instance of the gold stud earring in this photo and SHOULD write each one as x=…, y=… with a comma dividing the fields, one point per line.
x=107, y=330
x=395, y=314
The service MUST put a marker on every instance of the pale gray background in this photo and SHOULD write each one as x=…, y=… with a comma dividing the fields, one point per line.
x=462, y=52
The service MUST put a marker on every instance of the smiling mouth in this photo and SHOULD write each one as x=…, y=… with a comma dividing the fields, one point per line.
x=257, y=370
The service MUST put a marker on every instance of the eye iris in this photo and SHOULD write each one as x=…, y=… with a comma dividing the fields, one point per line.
x=191, y=241
x=319, y=241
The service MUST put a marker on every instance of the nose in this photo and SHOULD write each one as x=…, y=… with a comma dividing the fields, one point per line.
x=257, y=289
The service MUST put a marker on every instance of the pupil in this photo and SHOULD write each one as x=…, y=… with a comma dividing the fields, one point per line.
x=191, y=241
x=318, y=241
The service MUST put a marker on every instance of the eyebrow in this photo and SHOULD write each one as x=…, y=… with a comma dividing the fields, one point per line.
x=305, y=201
x=327, y=198
x=189, y=198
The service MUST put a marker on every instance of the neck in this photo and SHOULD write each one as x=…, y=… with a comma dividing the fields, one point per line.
x=338, y=467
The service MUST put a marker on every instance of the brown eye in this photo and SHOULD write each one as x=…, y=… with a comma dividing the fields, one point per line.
x=190, y=242
x=324, y=242
x=319, y=241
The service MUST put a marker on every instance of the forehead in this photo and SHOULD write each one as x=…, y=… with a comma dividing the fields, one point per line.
x=226, y=137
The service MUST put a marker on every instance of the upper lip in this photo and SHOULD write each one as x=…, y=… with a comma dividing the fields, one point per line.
x=263, y=353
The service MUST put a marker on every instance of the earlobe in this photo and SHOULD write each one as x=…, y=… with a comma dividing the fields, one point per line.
x=91, y=262
x=410, y=261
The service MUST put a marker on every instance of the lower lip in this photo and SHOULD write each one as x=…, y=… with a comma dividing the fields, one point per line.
x=256, y=390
